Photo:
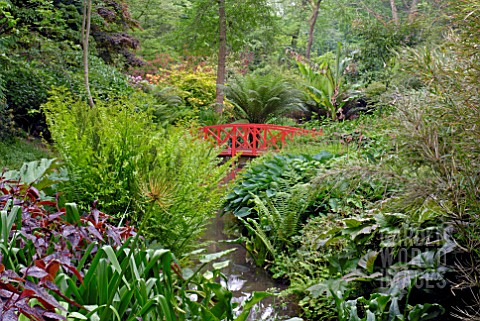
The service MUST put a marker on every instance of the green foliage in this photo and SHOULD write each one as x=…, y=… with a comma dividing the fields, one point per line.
x=439, y=136
x=275, y=222
x=305, y=266
x=41, y=174
x=7, y=21
x=195, y=88
x=380, y=307
x=107, y=275
x=27, y=81
x=258, y=99
x=103, y=148
x=114, y=153
x=184, y=179
x=199, y=29
x=6, y=118
x=17, y=151
x=350, y=188
x=276, y=174
x=327, y=86
x=26, y=87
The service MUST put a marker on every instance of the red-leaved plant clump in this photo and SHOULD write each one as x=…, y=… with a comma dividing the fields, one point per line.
x=38, y=238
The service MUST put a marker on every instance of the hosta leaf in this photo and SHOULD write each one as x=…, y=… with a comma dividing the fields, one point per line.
x=242, y=212
x=208, y=275
x=426, y=311
x=270, y=192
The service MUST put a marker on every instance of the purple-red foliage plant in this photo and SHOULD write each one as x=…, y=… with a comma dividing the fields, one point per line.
x=38, y=238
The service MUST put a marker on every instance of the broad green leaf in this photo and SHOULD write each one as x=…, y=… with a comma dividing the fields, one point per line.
x=425, y=312
x=72, y=215
x=207, y=258
x=249, y=304
x=76, y=315
x=208, y=275
x=368, y=261
x=221, y=265
x=242, y=212
x=112, y=256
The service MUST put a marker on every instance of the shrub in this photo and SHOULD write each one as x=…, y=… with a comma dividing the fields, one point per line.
x=7, y=129
x=185, y=177
x=436, y=130
x=114, y=152
x=102, y=147
x=28, y=80
x=196, y=87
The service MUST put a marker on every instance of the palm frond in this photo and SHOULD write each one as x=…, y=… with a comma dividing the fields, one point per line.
x=260, y=98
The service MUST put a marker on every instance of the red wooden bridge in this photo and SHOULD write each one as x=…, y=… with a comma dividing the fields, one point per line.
x=252, y=139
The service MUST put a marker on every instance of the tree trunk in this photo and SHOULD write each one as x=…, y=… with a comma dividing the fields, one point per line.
x=412, y=12
x=222, y=56
x=312, y=21
x=87, y=14
x=394, y=12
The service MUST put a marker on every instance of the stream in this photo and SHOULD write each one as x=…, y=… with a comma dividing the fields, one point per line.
x=244, y=277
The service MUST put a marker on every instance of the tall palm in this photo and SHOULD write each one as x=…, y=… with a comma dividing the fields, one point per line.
x=258, y=99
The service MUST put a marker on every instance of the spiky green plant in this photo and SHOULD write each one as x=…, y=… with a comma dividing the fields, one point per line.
x=327, y=86
x=278, y=219
x=258, y=99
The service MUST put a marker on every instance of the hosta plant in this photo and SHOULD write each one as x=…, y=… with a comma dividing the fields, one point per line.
x=276, y=174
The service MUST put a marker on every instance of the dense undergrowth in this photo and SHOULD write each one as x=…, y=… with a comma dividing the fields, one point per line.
x=384, y=229
x=59, y=264
x=377, y=219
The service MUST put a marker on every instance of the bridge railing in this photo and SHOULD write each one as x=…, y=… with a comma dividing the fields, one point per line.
x=251, y=139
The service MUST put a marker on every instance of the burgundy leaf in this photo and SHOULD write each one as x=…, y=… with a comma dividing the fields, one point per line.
x=55, y=216
x=95, y=232
x=76, y=272
x=9, y=315
x=54, y=316
x=11, y=276
x=33, y=194
x=52, y=269
x=9, y=287
x=96, y=214
x=48, y=203
x=7, y=294
x=53, y=287
x=35, y=272
x=27, y=293
x=28, y=311
x=48, y=301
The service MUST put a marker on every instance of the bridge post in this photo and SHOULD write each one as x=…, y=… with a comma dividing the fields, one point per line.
x=233, y=137
x=255, y=140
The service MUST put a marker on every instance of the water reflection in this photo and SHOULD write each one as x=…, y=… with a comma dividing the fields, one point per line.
x=243, y=278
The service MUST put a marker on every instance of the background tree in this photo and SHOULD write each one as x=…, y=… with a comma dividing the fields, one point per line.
x=159, y=21
x=86, y=23
x=203, y=23
x=315, y=5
